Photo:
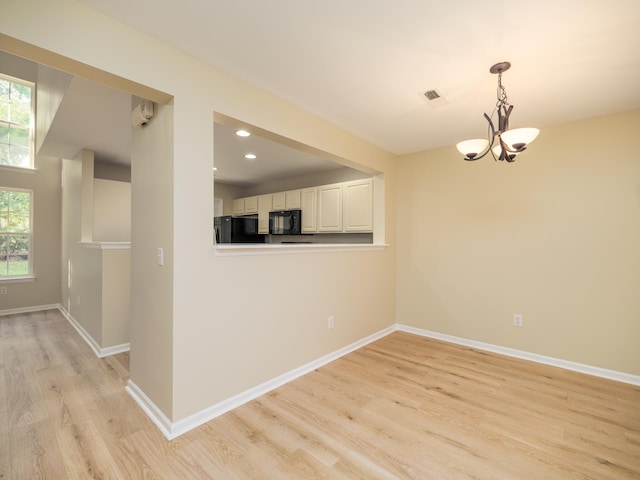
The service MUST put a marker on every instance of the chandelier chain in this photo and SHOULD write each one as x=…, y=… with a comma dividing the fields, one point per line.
x=501, y=93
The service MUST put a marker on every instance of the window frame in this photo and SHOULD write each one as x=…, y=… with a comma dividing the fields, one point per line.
x=29, y=274
x=32, y=122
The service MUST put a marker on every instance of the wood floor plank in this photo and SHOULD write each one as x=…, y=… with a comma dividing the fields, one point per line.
x=35, y=453
x=403, y=407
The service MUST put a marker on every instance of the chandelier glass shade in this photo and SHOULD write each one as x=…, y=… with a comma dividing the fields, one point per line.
x=504, y=144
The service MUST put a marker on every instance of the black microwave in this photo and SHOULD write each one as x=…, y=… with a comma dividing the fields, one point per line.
x=285, y=222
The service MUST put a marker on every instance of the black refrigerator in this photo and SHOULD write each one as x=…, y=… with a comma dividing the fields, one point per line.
x=229, y=229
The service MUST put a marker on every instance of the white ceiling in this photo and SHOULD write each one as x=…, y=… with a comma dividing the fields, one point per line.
x=364, y=65
x=93, y=117
x=98, y=118
x=274, y=159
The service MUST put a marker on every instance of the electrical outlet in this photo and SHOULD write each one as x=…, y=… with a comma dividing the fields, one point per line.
x=3, y=290
x=330, y=321
x=78, y=300
x=517, y=320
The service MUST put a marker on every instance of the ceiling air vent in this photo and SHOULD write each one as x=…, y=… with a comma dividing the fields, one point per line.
x=431, y=94
x=434, y=98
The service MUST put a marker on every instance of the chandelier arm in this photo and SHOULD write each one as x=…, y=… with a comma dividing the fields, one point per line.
x=503, y=116
x=492, y=135
x=507, y=149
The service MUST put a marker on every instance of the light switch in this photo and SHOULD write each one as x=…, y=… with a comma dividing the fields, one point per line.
x=160, y=256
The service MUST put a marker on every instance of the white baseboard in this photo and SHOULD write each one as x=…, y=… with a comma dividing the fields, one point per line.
x=154, y=413
x=39, y=308
x=100, y=352
x=113, y=350
x=533, y=357
x=172, y=430
x=81, y=331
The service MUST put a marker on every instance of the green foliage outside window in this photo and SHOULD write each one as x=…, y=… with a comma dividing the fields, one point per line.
x=15, y=123
x=15, y=233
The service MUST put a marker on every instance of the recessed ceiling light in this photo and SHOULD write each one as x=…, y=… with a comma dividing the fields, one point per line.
x=242, y=133
x=250, y=156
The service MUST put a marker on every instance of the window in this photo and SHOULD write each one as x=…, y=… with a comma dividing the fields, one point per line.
x=16, y=122
x=15, y=232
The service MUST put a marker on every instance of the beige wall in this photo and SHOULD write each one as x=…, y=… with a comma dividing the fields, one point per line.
x=82, y=266
x=44, y=181
x=116, y=296
x=45, y=184
x=554, y=236
x=111, y=171
x=96, y=280
x=227, y=193
x=51, y=85
x=336, y=175
x=221, y=327
x=111, y=211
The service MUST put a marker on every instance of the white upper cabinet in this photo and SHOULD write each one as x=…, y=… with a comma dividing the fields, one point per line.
x=265, y=205
x=279, y=202
x=357, y=199
x=251, y=205
x=308, y=201
x=292, y=199
x=330, y=208
x=237, y=207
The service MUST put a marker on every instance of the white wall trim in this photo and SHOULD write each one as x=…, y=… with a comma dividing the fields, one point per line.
x=154, y=413
x=533, y=357
x=113, y=350
x=39, y=308
x=227, y=249
x=100, y=352
x=106, y=245
x=172, y=430
x=81, y=331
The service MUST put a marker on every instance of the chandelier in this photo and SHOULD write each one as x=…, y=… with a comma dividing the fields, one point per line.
x=504, y=144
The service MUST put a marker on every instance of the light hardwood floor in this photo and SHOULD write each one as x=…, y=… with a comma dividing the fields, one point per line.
x=402, y=407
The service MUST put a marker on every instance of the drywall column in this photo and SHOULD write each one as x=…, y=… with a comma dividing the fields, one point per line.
x=151, y=363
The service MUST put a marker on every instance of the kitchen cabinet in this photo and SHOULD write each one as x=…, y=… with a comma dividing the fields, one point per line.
x=330, y=208
x=308, y=197
x=288, y=200
x=251, y=205
x=237, y=207
x=340, y=207
x=292, y=199
x=265, y=205
x=244, y=206
x=279, y=201
x=357, y=200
